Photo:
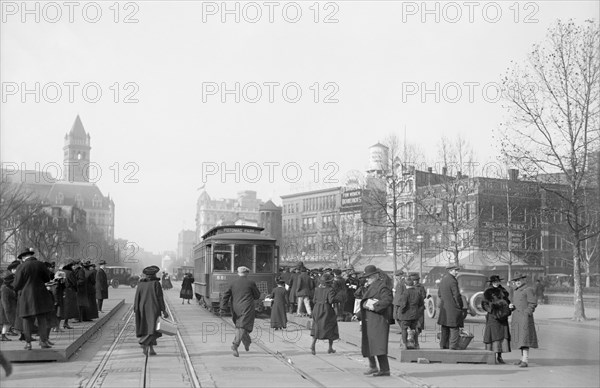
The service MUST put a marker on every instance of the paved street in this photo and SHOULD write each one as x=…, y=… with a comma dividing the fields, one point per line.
x=568, y=356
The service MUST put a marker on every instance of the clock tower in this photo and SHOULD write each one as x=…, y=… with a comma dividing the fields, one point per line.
x=77, y=154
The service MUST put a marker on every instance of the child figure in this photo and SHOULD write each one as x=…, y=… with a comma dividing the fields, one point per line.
x=279, y=306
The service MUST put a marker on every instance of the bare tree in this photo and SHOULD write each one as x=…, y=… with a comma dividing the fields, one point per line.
x=553, y=102
x=446, y=206
x=346, y=242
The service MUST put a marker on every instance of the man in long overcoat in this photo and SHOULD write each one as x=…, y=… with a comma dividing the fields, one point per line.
x=304, y=291
x=242, y=293
x=522, y=325
x=148, y=304
x=451, y=309
x=376, y=311
x=70, y=298
x=101, y=285
x=292, y=285
x=82, y=292
x=35, y=301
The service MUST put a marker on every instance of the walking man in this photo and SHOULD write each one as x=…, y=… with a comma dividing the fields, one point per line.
x=35, y=301
x=242, y=293
x=451, y=309
x=303, y=291
x=101, y=285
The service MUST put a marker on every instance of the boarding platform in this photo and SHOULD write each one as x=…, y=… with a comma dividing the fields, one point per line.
x=66, y=342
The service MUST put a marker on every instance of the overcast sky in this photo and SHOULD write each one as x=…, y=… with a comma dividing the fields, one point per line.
x=161, y=66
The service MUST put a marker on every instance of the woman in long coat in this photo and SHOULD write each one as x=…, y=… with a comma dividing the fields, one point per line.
x=522, y=324
x=82, y=292
x=325, y=326
x=376, y=312
x=8, y=305
x=278, y=306
x=186, y=288
x=148, y=304
x=90, y=275
x=71, y=308
x=166, y=281
x=496, y=335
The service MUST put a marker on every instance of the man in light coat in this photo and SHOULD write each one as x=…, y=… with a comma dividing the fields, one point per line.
x=451, y=309
x=522, y=325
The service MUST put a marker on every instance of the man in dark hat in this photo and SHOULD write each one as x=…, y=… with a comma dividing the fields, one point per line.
x=35, y=301
x=409, y=306
x=451, y=316
x=522, y=325
x=242, y=293
x=376, y=312
x=25, y=254
x=304, y=290
x=101, y=285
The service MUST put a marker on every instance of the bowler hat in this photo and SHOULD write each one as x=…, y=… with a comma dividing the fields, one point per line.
x=27, y=252
x=325, y=279
x=13, y=265
x=399, y=273
x=102, y=262
x=452, y=266
x=494, y=278
x=414, y=276
x=243, y=269
x=369, y=270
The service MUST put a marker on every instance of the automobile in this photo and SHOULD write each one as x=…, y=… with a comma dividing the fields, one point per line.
x=471, y=286
x=560, y=279
x=121, y=275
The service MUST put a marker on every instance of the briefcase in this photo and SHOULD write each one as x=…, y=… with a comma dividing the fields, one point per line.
x=166, y=327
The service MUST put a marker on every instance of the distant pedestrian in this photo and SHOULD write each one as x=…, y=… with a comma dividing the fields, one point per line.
x=166, y=281
x=292, y=285
x=242, y=293
x=304, y=290
x=325, y=326
x=71, y=308
x=279, y=306
x=451, y=317
x=90, y=276
x=83, y=302
x=35, y=301
x=148, y=305
x=341, y=294
x=522, y=324
x=416, y=278
x=408, y=309
x=496, y=335
x=376, y=311
x=58, y=288
x=539, y=291
x=101, y=285
x=186, y=288
x=8, y=301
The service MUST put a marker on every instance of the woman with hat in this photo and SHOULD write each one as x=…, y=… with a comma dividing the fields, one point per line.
x=376, y=312
x=278, y=308
x=71, y=308
x=186, y=288
x=148, y=305
x=8, y=301
x=522, y=324
x=325, y=326
x=496, y=335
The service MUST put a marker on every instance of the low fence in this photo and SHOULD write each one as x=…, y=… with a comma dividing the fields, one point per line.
x=592, y=301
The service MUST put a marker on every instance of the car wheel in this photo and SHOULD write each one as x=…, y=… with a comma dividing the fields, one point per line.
x=114, y=283
x=430, y=307
x=475, y=304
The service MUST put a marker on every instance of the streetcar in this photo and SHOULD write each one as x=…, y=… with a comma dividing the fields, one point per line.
x=225, y=248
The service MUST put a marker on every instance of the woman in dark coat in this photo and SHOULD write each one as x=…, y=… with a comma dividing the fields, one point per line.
x=186, y=288
x=90, y=275
x=376, y=312
x=325, y=326
x=71, y=309
x=8, y=305
x=522, y=324
x=166, y=281
x=82, y=292
x=58, y=293
x=148, y=304
x=496, y=335
x=278, y=306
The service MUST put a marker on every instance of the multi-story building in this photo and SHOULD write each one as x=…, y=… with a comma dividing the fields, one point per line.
x=310, y=224
x=271, y=219
x=212, y=212
x=185, y=245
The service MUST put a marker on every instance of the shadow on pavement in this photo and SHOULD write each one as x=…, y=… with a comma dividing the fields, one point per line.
x=501, y=370
x=564, y=362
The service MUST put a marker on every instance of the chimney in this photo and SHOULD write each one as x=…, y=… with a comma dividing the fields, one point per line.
x=444, y=170
x=513, y=174
x=430, y=169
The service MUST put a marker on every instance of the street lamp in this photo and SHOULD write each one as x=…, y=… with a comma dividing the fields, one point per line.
x=420, y=240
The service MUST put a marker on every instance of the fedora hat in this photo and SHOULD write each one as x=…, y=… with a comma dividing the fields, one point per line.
x=519, y=276
x=13, y=265
x=452, y=266
x=369, y=270
x=243, y=269
x=27, y=252
x=102, y=262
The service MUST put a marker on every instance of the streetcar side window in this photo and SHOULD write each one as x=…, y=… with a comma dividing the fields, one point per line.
x=244, y=255
x=264, y=258
x=222, y=258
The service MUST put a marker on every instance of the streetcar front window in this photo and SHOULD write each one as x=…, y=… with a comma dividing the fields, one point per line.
x=264, y=258
x=244, y=255
x=222, y=258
